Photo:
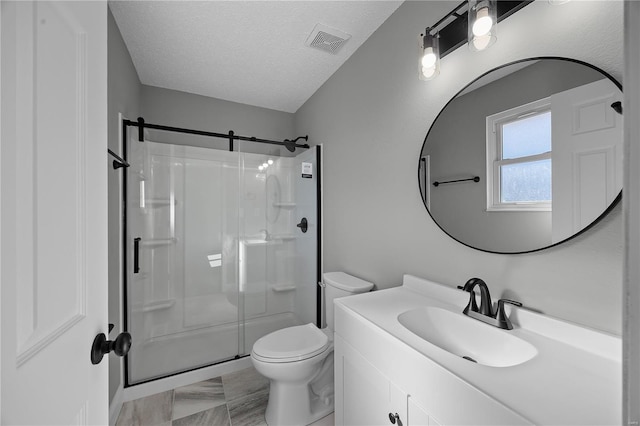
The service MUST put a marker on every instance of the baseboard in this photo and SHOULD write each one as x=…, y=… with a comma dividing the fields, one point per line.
x=116, y=405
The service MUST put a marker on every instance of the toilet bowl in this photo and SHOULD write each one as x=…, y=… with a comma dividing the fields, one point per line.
x=298, y=361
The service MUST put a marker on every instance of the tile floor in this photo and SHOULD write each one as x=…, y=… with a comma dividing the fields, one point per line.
x=236, y=399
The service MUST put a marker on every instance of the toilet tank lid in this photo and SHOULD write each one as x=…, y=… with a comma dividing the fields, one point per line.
x=347, y=282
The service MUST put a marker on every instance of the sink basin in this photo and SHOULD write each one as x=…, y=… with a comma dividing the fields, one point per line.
x=466, y=337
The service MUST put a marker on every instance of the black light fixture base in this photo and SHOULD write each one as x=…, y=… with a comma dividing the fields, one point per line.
x=454, y=33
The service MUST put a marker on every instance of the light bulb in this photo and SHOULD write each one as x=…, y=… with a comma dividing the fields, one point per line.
x=265, y=165
x=260, y=168
x=482, y=42
x=429, y=72
x=429, y=58
x=270, y=161
x=483, y=22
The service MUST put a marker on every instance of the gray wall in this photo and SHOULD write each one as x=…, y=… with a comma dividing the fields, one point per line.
x=372, y=116
x=457, y=146
x=180, y=109
x=123, y=97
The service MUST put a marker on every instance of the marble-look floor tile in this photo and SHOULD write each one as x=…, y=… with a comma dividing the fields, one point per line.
x=249, y=410
x=197, y=397
x=244, y=382
x=153, y=410
x=127, y=413
x=329, y=420
x=217, y=416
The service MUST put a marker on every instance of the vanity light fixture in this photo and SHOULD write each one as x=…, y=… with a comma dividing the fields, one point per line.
x=455, y=29
x=429, y=66
x=482, y=24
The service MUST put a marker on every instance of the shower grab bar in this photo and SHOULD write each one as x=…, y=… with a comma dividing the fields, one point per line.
x=475, y=179
x=141, y=125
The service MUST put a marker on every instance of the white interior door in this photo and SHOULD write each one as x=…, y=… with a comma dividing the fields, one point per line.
x=53, y=224
x=586, y=155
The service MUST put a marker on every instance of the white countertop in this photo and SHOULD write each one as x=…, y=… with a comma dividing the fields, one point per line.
x=575, y=378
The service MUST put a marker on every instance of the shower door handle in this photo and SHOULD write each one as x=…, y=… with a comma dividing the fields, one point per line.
x=136, y=255
x=303, y=225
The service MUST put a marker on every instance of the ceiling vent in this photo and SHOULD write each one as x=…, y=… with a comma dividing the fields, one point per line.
x=327, y=39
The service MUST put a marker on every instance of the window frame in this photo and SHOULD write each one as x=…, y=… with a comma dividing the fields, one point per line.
x=494, y=150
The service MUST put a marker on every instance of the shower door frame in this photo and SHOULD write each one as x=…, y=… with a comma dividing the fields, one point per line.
x=231, y=136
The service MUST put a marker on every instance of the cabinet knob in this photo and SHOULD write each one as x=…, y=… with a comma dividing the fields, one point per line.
x=393, y=418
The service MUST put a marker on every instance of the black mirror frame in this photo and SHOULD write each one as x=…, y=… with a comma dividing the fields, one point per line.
x=613, y=204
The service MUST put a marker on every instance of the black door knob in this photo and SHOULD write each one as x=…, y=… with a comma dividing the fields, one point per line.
x=102, y=346
x=395, y=418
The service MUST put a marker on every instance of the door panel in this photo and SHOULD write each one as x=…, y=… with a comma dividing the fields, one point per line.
x=54, y=212
x=183, y=300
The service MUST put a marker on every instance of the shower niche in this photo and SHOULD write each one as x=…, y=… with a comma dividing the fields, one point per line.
x=214, y=258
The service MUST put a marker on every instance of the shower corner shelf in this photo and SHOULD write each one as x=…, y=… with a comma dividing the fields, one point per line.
x=283, y=288
x=284, y=205
x=160, y=202
x=283, y=237
x=155, y=306
x=152, y=243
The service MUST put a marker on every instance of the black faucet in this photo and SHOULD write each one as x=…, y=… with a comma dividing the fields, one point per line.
x=485, y=313
x=485, y=297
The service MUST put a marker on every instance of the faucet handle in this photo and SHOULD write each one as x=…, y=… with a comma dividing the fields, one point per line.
x=501, y=316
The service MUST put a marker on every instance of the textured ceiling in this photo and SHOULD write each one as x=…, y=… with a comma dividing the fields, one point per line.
x=251, y=52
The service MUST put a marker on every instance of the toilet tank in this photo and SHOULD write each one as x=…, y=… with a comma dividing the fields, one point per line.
x=339, y=284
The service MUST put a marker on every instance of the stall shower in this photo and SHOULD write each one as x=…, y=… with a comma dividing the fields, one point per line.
x=216, y=256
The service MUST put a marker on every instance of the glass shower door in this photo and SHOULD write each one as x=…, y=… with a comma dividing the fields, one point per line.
x=278, y=262
x=182, y=222
x=215, y=257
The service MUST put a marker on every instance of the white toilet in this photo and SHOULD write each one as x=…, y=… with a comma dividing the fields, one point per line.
x=298, y=361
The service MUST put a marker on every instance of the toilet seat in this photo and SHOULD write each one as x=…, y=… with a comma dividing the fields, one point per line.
x=291, y=344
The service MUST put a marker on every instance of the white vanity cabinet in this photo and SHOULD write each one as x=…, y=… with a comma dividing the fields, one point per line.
x=377, y=374
x=366, y=397
x=389, y=361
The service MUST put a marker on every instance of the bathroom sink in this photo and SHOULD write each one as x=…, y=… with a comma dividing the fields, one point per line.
x=466, y=337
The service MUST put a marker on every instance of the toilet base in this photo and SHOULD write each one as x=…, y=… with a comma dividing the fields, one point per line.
x=302, y=407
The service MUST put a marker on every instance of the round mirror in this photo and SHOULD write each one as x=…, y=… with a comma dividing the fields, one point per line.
x=526, y=156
